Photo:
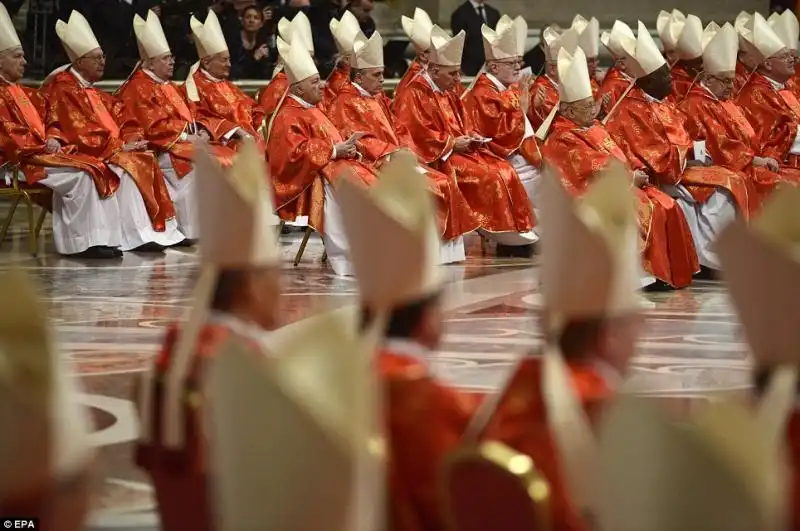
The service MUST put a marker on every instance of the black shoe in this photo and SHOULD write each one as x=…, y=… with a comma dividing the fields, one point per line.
x=149, y=247
x=98, y=252
x=657, y=287
x=515, y=251
x=706, y=273
x=186, y=242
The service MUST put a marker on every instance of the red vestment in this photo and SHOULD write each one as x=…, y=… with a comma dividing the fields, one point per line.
x=352, y=111
x=432, y=120
x=301, y=156
x=425, y=422
x=223, y=107
x=774, y=115
x=338, y=78
x=544, y=96
x=654, y=133
x=793, y=445
x=411, y=73
x=742, y=78
x=595, y=87
x=682, y=82
x=498, y=115
x=23, y=137
x=614, y=86
x=665, y=240
x=164, y=114
x=521, y=422
x=794, y=82
x=92, y=121
x=730, y=139
x=270, y=97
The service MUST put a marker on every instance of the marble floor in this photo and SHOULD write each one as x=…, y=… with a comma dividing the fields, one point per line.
x=110, y=318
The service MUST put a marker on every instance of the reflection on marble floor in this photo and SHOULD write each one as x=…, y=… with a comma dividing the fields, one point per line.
x=110, y=317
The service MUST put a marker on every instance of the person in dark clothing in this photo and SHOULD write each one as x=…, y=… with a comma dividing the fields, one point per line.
x=362, y=9
x=320, y=16
x=470, y=16
x=535, y=58
x=250, y=51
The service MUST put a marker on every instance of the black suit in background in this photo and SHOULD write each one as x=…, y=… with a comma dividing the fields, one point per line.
x=466, y=18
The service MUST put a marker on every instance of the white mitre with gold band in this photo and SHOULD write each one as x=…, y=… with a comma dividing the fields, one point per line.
x=787, y=28
x=555, y=41
x=690, y=42
x=8, y=35
x=446, y=50
x=322, y=470
x=391, y=228
x=45, y=443
x=418, y=29
x=344, y=32
x=208, y=37
x=614, y=40
x=299, y=64
x=645, y=58
x=150, y=36
x=588, y=35
x=76, y=36
x=717, y=470
x=574, y=81
x=719, y=54
x=762, y=37
x=368, y=53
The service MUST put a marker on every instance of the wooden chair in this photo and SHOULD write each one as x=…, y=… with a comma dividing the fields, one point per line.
x=299, y=255
x=21, y=191
x=492, y=486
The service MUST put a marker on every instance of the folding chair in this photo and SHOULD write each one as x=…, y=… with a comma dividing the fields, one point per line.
x=21, y=191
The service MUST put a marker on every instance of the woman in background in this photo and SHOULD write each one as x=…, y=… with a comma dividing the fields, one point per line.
x=250, y=52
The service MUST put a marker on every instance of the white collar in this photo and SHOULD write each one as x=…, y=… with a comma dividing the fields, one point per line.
x=238, y=326
x=776, y=85
x=430, y=81
x=80, y=78
x=3, y=78
x=154, y=77
x=209, y=76
x=361, y=90
x=301, y=101
x=497, y=83
x=408, y=348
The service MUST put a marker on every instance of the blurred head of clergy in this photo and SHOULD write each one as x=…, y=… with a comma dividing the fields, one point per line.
x=787, y=28
x=719, y=62
x=211, y=46
x=774, y=58
x=588, y=40
x=304, y=79
x=154, y=50
x=648, y=66
x=748, y=55
x=45, y=452
x=689, y=46
x=504, y=48
x=12, y=56
x=367, y=63
x=394, y=222
x=444, y=63
x=238, y=231
x=554, y=41
x=418, y=29
x=613, y=41
x=82, y=48
x=595, y=240
x=669, y=26
x=576, y=102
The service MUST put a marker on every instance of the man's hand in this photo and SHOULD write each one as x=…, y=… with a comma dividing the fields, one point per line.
x=261, y=52
x=640, y=179
x=538, y=100
x=766, y=162
x=52, y=146
x=136, y=145
x=525, y=92
x=241, y=134
x=345, y=150
x=462, y=144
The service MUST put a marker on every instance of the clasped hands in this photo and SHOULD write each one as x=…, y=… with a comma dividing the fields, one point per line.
x=766, y=162
x=467, y=143
x=640, y=179
x=347, y=149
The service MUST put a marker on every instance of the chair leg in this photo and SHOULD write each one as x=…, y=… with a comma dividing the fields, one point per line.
x=484, y=246
x=281, y=225
x=303, y=244
x=33, y=240
x=9, y=218
x=324, y=258
x=40, y=222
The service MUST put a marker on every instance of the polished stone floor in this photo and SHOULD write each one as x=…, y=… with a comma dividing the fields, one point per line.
x=109, y=320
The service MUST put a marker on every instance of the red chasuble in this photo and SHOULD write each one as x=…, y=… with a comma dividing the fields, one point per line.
x=223, y=106
x=730, y=139
x=682, y=82
x=742, y=78
x=431, y=120
x=426, y=421
x=23, y=137
x=654, y=133
x=88, y=119
x=164, y=113
x=414, y=68
x=665, y=241
x=352, y=111
x=301, y=156
x=774, y=114
x=793, y=444
x=498, y=115
x=544, y=96
x=521, y=422
x=614, y=86
x=338, y=78
x=794, y=82
x=270, y=97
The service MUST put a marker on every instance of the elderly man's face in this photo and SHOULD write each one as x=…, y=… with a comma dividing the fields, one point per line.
x=92, y=65
x=370, y=79
x=721, y=84
x=582, y=112
x=780, y=66
x=218, y=65
x=310, y=89
x=162, y=66
x=12, y=64
x=423, y=56
x=445, y=77
x=507, y=70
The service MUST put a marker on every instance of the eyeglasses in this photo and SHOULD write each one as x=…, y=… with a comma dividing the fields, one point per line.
x=94, y=58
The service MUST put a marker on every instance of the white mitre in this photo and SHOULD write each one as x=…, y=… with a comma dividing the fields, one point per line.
x=299, y=64
x=150, y=36
x=300, y=28
x=574, y=82
x=719, y=55
x=614, y=40
x=208, y=37
x=588, y=35
x=645, y=58
x=446, y=50
x=555, y=41
x=763, y=38
x=8, y=35
x=786, y=26
x=76, y=36
x=368, y=53
x=690, y=43
x=418, y=29
x=502, y=45
x=344, y=32
x=708, y=33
